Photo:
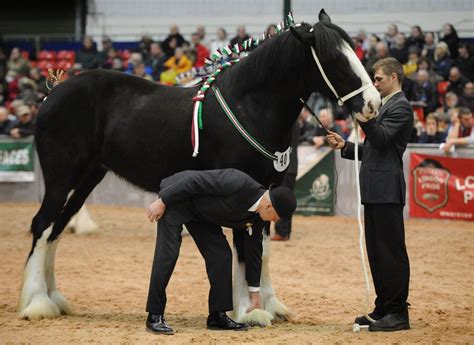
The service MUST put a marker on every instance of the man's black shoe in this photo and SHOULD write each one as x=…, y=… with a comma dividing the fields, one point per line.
x=364, y=321
x=390, y=323
x=157, y=324
x=220, y=321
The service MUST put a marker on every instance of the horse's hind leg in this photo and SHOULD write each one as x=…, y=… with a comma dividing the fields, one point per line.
x=35, y=302
x=74, y=203
x=40, y=298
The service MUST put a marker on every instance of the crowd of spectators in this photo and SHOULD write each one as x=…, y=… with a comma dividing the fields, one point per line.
x=439, y=71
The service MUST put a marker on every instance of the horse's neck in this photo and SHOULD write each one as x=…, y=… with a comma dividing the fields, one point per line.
x=269, y=106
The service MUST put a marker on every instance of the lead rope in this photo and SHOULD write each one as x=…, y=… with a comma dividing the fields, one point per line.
x=359, y=221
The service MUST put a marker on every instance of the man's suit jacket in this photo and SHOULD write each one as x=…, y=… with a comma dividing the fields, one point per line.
x=221, y=197
x=381, y=172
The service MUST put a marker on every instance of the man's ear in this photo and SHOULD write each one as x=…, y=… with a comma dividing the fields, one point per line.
x=303, y=33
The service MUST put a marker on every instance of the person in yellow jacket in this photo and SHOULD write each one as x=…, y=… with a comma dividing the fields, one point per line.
x=177, y=64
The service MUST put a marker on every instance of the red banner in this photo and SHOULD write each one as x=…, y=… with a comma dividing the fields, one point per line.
x=441, y=187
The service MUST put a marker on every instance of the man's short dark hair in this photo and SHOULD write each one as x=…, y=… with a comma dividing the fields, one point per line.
x=388, y=66
x=464, y=111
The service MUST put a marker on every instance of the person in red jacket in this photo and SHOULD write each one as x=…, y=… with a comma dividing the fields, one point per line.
x=201, y=51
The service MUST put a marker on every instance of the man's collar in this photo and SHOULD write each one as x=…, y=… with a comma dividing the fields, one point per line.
x=387, y=98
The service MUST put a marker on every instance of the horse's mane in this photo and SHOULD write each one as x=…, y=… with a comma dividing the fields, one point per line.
x=328, y=40
x=269, y=62
x=276, y=57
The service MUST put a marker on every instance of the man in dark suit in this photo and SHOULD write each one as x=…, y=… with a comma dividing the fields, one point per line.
x=204, y=201
x=383, y=195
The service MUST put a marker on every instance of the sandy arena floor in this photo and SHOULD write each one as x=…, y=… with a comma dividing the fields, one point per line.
x=317, y=274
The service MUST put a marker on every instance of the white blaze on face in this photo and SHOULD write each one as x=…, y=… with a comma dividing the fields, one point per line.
x=371, y=94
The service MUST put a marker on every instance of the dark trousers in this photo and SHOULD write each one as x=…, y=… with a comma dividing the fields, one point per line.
x=283, y=227
x=388, y=258
x=215, y=249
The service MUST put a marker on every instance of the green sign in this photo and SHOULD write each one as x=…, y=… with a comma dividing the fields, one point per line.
x=16, y=160
x=314, y=187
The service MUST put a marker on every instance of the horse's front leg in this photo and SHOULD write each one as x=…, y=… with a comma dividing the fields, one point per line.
x=268, y=299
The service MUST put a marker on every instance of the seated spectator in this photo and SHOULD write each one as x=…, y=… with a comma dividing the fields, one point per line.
x=425, y=65
x=188, y=52
x=175, y=65
x=399, y=50
x=25, y=125
x=461, y=132
x=172, y=41
x=220, y=42
x=381, y=52
x=157, y=60
x=5, y=121
x=241, y=36
x=370, y=51
x=412, y=64
x=431, y=134
x=271, y=31
x=442, y=62
x=424, y=93
x=429, y=46
x=450, y=36
x=201, y=31
x=113, y=61
x=104, y=53
x=416, y=39
x=144, y=46
x=451, y=101
x=135, y=58
x=443, y=121
x=17, y=65
x=28, y=90
x=465, y=62
x=139, y=71
x=317, y=136
x=304, y=122
x=201, y=51
x=390, y=35
x=40, y=81
x=466, y=99
x=88, y=57
x=364, y=41
x=456, y=81
x=358, y=48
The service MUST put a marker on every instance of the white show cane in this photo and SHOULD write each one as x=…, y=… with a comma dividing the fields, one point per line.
x=356, y=327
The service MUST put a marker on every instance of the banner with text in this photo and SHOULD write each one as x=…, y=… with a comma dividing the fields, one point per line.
x=441, y=187
x=16, y=161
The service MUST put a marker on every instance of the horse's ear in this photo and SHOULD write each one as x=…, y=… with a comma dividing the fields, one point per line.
x=304, y=36
x=323, y=16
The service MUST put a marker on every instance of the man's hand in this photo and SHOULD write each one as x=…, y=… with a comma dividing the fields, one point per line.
x=335, y=140
x=155, y=210
x=254, y=301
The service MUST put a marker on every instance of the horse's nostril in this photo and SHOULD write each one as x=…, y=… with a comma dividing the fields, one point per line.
x=370, y=106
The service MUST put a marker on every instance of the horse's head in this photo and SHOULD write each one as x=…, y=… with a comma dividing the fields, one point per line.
x=343, y=74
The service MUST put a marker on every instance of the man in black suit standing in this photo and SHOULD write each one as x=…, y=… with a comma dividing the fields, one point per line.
x=204, y=201
x=383, y=195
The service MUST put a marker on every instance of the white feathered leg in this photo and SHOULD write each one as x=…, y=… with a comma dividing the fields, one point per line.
x=241, y=298
x=267, y=294
x=35, y=304
x=82, y=223
x=57, y=297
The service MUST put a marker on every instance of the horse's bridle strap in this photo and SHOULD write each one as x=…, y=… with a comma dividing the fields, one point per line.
x=340, y=100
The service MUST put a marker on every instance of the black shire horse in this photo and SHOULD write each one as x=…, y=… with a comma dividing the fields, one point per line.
x=102, y=120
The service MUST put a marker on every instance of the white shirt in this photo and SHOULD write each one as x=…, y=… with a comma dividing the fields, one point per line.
x=386, y=98
x=254, y=207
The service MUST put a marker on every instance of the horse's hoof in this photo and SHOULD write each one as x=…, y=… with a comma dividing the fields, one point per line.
x=61, y=302
x=40, y=307
x=277, y=309
x=257, y=317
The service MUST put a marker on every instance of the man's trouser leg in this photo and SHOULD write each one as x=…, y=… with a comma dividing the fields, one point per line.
x=216, y=252
x=168, y=242
x=388, y=258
